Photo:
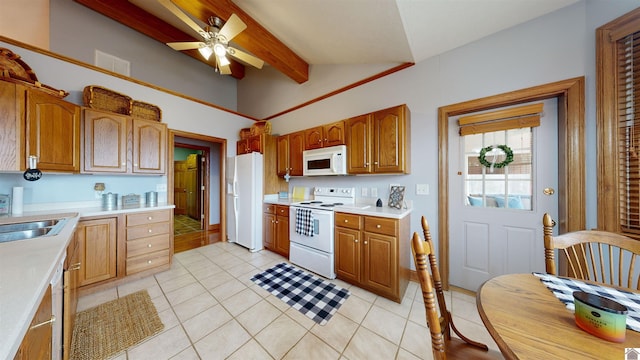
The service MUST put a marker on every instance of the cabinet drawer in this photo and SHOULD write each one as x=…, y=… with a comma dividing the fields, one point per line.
x=147, y=245
x=348, y=220
x=380, y=225
x=148, y=261
x=148, y=217
x=143, y=231
x=269, y=208
x=282, y=210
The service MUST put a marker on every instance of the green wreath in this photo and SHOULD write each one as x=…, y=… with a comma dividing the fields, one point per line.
x=507, y=151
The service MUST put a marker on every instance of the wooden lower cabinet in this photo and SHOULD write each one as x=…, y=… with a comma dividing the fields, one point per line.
x=36, y=344
x=276, y=228
x=71, y=284
x=148, y=240
x=97, y=250
x=373, y=253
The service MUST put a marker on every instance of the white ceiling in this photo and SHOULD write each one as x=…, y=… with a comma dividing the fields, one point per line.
x=379, y=31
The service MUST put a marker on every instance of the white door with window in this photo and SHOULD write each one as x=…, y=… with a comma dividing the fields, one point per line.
x=502, y=183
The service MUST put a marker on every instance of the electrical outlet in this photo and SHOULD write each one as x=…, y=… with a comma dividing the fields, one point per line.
x=161, y=187
x=374, y=192
x=364, y=191
x=422, y=189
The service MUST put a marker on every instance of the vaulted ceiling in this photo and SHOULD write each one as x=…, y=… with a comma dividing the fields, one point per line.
x=291, y=35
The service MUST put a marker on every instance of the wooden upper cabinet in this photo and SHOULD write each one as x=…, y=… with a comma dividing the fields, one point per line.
x=358, y=138
x=105, y=142
x=324, y=136
x=379, y=142
x=290, y=148
x=251, y=144
x=149, y=146
x=115, y=143
x=53, y=132
x=12, y=124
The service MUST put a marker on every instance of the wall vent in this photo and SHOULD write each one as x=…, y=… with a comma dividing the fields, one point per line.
x=112, y=63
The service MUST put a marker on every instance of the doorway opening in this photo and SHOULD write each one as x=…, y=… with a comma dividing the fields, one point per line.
x=571, y=154
x=196, y=177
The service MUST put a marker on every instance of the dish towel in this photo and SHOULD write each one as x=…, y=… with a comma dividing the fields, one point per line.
x=304, y=222
x=563, y=289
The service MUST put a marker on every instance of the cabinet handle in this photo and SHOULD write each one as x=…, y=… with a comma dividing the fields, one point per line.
x=50, y=321
x=149, y=245
x=75, y=266
x=378, y=226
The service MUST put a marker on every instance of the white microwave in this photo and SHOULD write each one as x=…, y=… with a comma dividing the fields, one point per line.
x=325, y=161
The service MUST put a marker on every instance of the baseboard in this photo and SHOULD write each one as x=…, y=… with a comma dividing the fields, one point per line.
x=213, y=227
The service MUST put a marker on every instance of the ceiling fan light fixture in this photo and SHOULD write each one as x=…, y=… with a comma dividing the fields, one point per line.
x=219, y=49
x=205, y=51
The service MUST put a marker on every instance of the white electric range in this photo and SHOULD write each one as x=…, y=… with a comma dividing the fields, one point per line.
x=311, y=229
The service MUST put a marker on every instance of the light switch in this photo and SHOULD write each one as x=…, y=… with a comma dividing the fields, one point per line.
x=422, y=189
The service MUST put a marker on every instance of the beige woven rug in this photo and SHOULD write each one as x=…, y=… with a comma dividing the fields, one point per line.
x=112, y=327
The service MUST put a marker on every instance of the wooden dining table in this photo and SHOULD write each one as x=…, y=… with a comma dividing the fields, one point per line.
x=527, y=321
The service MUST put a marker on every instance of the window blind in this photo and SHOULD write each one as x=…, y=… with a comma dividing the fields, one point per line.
x=628, y=109
x=506, y=119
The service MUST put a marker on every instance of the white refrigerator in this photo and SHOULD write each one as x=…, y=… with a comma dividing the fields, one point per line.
x=244, y=188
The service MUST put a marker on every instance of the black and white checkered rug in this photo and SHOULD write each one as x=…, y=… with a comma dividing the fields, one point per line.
x=312, y=296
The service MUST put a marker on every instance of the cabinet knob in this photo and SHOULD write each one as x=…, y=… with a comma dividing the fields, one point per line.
x=378, y=226
x=150, y=231
x=149, y=245
x=365, y=243
x=150, y=218
x=123, y=164
x=149, y=262
x=356, y=240
x=136, y=165
x=346, y=221
x=375, y=163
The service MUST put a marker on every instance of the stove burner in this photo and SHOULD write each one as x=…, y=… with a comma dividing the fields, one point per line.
x=328, y=205
x=336, y=204
x=315, y=202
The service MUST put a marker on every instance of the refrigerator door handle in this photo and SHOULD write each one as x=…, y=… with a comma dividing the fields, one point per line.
x=235, y=212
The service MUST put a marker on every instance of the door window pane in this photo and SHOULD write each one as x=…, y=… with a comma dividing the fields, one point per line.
x=508, y=187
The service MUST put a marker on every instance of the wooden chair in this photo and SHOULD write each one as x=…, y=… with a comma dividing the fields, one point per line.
x=600, y=256
x=444, y=346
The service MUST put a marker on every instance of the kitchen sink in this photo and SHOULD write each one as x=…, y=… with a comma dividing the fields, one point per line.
x=30, y=229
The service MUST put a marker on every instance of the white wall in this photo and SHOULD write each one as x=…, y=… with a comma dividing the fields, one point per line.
x=554, y=47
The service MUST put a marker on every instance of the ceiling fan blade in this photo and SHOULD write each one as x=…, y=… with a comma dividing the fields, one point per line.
x=185, y=45
x=232, y=28
x=185, y=19
x=223, y=65
x=245, y=57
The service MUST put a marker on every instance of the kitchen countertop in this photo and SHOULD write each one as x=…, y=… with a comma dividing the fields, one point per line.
x=27, y=267
x=360, y=208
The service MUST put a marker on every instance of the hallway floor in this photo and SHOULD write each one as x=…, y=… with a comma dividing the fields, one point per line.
x=212, y=310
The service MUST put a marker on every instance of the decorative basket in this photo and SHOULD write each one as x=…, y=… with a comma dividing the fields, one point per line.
x=261, y=127
x=146, y=111
x=100, y=98
x=245, y=133
x=13, y=69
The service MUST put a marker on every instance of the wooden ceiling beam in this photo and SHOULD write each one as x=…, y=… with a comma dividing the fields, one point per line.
x=140, y=20
x=255, y=38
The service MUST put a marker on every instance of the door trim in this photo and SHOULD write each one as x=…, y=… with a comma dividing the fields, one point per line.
x=571, y=157
x=223, y=157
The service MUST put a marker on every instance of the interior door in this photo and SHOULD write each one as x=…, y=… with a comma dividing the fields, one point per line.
x=495, y=232
x=180, y=187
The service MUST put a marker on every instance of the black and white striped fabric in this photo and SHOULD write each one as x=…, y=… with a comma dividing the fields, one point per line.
x=304, y=222
x=563, y=289
x=312, y=296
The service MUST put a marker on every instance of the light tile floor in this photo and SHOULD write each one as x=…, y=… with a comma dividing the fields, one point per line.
x=212, y=310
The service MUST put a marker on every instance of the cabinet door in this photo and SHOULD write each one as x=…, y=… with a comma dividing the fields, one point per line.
x=149, y=146
x=334, y=134
x=282, y=235
x=269, y=226
x=380, y=258
x=296, y=147
x=347, y=247
x=12, y=134
x=70, y=301
x=358, y=140
x=256, y=144
x=37, y=341
x=105, y=142
x=313, y=138
x=242, y=146
x=282, y=159
x=97, y=245
x=53, y=128
x=389, y=140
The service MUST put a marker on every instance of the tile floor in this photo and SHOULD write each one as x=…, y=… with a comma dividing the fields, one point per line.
x=212, y=310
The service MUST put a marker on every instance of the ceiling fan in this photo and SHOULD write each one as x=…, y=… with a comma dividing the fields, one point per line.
x=216, y=39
